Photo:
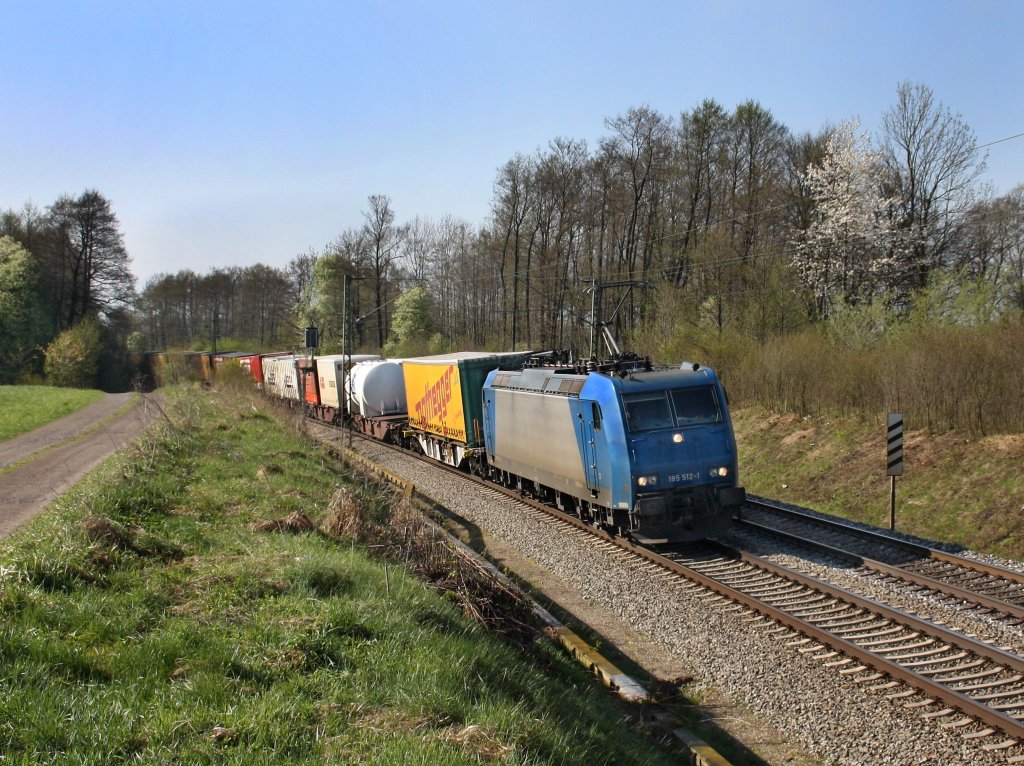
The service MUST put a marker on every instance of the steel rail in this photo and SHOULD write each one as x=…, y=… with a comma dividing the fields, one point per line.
x=909, y=576
x=923, y=551
x=1011, y=726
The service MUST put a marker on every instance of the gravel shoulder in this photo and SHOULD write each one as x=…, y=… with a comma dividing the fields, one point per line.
x=51, y=459
x=648, y=662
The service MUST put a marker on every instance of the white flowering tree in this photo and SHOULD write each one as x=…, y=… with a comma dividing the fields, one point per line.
x=848, y=247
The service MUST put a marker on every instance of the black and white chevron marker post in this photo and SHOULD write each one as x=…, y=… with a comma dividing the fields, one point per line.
x=894, y=459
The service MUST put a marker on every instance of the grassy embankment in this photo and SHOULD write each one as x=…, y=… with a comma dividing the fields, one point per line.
x=145, y=618
x=23, y=408
x=955, y=488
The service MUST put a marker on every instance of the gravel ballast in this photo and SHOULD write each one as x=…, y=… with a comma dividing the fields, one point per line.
x=724, y=649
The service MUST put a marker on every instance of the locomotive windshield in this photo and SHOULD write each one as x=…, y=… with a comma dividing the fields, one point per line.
x=669, y=409
x=695, y=405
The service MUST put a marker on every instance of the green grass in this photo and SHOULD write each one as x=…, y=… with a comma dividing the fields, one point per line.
x=23, y=408
x=143, y=619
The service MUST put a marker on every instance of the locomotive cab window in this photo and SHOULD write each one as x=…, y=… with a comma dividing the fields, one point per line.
x=648, y=411
x=671, y=409
x=695, y=405
x=596, y=414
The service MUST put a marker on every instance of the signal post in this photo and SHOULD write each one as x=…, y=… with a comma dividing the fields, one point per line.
x=894, y=459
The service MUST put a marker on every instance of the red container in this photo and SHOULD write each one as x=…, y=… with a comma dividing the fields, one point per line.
x=307, y=373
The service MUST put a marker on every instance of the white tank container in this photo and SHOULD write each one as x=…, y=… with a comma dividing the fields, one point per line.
x=332, y=372
x=378, y=388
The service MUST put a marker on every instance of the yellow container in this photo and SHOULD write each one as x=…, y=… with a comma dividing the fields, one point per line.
x=443, y=392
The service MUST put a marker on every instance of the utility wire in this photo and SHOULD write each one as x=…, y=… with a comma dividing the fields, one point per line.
x=1001, y=140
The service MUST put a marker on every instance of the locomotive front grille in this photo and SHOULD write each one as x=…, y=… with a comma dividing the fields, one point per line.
x=683, y=509
x=660, y=511
x=651, y=510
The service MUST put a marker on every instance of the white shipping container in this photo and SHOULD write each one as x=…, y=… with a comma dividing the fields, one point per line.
x=281, y=377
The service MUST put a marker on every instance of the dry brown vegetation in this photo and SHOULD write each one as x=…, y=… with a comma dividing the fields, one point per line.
x=404, y=535
x=942, y=377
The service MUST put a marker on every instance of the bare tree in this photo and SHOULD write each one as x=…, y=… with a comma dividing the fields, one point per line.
x=932, y=164
x=639, y=149
x=452, y=270
x=383, y=240
x=265, y=300
x=756, y=159
x=801, y=152
x=416, y=253
x=700, y=161
x=513, y=197
x=561, y=185
x=299, y=273
x=88, y=257
x=992, y=245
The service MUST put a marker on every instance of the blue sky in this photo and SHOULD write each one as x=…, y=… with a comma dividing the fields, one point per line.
x=231, y=133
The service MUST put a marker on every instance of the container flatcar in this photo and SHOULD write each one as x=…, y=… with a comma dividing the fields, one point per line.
x=332, y=373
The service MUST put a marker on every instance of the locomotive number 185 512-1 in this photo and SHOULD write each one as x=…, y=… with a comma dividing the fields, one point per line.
x=678, y=478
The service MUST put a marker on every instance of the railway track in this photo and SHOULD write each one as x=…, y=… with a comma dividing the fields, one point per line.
x=961, y=684
x=968, y=583
x=964, y=680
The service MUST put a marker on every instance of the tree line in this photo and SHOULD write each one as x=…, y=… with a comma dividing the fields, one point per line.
x=725, y=223
x=713, y=234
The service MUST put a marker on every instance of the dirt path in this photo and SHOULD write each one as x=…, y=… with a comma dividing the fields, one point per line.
x=58, y=455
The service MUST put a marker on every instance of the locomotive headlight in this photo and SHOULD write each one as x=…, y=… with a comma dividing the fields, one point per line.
x=719, y=473
x=647, y=481
x=677, y=438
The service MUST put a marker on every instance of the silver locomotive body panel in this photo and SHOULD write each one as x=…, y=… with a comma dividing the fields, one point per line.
x=535, y=437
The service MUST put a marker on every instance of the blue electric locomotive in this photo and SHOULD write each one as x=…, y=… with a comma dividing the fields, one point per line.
x=649, y=452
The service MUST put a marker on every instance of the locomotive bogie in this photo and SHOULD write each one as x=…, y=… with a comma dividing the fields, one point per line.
x=390, y=429
x=443, y=450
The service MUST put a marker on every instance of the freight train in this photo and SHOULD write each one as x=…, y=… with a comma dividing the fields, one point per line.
x=639, y=450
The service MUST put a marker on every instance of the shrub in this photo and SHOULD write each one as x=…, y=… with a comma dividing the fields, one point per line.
x=73, y=358
x=944, y=377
